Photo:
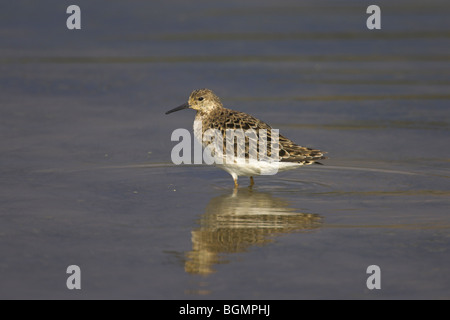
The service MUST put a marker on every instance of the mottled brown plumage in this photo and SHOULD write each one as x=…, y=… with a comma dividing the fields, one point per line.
x=212, y=115
x=223, y=118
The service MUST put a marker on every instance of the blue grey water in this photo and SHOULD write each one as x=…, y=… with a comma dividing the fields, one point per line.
x=87, y=178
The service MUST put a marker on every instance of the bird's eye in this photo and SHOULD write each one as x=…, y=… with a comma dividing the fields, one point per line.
x=200, y=99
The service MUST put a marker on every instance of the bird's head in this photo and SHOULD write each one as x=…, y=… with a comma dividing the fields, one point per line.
x=202, y=100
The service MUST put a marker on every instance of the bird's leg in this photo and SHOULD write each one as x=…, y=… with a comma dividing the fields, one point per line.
x=252, y=182
x=236, y=183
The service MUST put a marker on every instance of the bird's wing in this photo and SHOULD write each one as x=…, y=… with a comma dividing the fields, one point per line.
x=291, y=152
x=256, y=132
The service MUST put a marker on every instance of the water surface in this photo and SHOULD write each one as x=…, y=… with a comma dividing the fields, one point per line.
x=87, y=177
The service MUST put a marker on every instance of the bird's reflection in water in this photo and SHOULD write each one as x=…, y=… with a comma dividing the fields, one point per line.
x=233, y=223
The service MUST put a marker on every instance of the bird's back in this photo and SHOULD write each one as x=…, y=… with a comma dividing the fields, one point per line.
x=224, y=119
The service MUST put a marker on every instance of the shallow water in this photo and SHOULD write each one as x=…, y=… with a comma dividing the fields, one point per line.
x=87, y=177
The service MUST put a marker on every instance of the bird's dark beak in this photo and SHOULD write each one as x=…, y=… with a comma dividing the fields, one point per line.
x=183, y=106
